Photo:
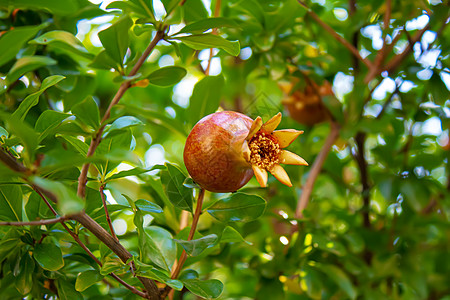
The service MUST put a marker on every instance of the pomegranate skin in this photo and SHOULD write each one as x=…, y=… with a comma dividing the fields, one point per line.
x=213, y=152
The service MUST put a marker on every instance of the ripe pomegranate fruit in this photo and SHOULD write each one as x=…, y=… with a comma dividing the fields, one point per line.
x=225, y=149
x=306, y=107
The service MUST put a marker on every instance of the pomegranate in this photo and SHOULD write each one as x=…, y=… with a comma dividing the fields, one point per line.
x=225, y=149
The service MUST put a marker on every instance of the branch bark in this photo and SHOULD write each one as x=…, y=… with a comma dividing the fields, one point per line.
x=108, y=218
x=360, y=140
x=35, y=223
x=183, y=257
x=86, y=249
x=118, y=249
x=82, y=179
x=315, y=170
x=336, y=36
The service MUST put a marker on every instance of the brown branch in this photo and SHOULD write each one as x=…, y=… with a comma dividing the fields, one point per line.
x=108, y=218
x=86, y=249
x=339, y=38
x=398, y=59
x=35, y=223
x=183, y=257
x=11, y=162
x=116, y=247
x=315, y=170
x=360, y=140
x=82, y=179
x=214, y=31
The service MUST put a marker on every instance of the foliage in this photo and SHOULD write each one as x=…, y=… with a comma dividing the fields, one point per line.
x=79, y=94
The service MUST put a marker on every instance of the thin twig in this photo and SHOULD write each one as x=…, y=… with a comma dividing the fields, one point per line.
x=108, y=218
x=183, y=257
x=82, y=179
x=339, y=38
x=315, y=170
x=34, y=223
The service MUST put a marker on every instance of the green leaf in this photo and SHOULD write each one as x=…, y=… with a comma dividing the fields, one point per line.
x=33, y=99
x=48, y=256
x=63, y=41
x=205, y=98
x=155, y=274
x=147, y=206
x=68, y=201
x=12, y=41
x=167, y=76
x=115, y=39
x=169, y=5
x=113, y=266
x=66, y=290
x=209, y=23
x=238, y=207
x=48, y=121
x=3, y=132
x=340, y=278
x=415, y=194
x=208, y=289
x=103, y=61
x=231, y=235
x=10, y=202
x=28, y=137
x=58, y=8
x=208, y=40
x=131, y=172
x=80, y=146
x=24, y=276
x=26, y=64
x=194, y=10
x=86, y=279
x=179, y=195
x=159, y=119
x=144, y=8
x=197, y=246
x=155, y=244
x=84, y=87
x=87, y=112
x=122, y=123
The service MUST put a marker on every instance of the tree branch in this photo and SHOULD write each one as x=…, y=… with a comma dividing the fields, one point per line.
x=398, y=59
x=86, y=249
x=214, y=31
x=108, y=218
x=35, y=223
x=82, y=179
x=116, y=247
x=360, y=140
x=183, y=257
x=11, y=162
x=339, y=38
x=315, y=170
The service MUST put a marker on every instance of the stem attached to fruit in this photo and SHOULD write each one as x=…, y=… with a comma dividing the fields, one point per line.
x=183, y=257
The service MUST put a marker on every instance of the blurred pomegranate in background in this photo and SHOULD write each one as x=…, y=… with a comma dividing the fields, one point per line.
x=306, y=106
